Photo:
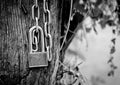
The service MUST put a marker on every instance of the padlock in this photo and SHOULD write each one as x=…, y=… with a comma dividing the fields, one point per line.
x=37, y=55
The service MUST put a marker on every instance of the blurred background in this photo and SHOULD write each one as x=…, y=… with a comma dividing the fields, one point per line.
x=96, y=43
x=95, y=66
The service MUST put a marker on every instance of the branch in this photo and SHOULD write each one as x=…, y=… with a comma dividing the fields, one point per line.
x=55, y=69
x=71, y=38
x=68, y=25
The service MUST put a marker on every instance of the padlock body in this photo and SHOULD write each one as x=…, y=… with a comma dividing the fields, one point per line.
x=38, y=59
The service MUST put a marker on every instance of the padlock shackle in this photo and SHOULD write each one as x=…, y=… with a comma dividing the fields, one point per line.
x=30, y=37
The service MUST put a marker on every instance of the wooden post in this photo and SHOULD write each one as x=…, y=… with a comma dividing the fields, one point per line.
x=15, y=21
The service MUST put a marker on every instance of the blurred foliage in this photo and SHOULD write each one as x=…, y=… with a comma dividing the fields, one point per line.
x=105, y=12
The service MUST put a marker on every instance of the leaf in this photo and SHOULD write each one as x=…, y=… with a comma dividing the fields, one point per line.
x=110, y=60
x=115, y=67
x=111, y=73
x=119, y=32
x=112, y=50
x=79, y=7
x=95, y=30
x=88, y=30
x=70, y=73
x=113, y=31
x=96, y=13
x=113, y=40
x=102, y=23
x=110, y=23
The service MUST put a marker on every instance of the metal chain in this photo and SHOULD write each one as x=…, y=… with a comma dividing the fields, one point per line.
x=47, y=20
x=35, y=7
x=35, y=16
x=46, y=17
x=36, y=3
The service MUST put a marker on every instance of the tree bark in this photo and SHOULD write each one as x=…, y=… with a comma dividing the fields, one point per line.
x=15, y=22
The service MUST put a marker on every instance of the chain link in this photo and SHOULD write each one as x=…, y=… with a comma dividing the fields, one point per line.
x=35, y=8
x=49, y=56
x=47, y=20
x=35, y=32
x=44, y=6
x=36, y=44
x=45, y=28
x=36, y=3
x=50, y=40
x=36, y=19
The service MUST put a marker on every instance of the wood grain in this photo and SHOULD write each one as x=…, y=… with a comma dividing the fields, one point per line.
x=14, y=26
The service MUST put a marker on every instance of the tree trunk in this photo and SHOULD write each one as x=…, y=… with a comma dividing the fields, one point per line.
x=15, y=22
